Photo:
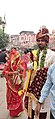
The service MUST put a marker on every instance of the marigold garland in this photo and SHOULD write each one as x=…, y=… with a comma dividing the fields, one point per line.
x=42, y=58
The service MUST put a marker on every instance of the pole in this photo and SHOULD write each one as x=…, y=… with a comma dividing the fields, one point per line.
x=3, y=33
x=3, y=26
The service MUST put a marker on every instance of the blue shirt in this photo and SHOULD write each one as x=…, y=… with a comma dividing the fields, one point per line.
x=49, y=87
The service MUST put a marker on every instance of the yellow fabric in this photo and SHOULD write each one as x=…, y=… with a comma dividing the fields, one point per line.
x=29, y=71
x=29, y=74
x=35, y=65
x=35, y=62
x=34, y=52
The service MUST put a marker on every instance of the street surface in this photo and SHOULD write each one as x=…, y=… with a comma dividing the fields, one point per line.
x=4, y=113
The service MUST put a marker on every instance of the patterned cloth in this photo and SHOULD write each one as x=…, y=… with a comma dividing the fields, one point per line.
x=37, y=81
x=14, y=72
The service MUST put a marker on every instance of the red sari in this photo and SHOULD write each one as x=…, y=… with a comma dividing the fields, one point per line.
x=13, y=82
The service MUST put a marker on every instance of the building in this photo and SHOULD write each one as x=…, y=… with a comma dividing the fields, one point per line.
x=27, y=39
x=52, y=40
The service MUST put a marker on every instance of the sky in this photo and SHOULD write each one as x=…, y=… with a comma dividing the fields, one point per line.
x=28, y=15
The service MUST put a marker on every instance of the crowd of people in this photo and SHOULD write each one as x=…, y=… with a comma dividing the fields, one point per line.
x=30, y=79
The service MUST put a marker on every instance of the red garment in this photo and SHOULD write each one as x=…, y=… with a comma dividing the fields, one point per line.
x=14, y=101
x=25, y=58
x=24, y=65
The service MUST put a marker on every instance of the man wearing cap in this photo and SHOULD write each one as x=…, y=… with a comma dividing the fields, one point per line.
x=45, y=57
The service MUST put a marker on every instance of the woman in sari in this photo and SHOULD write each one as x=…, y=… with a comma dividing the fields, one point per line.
x=14, y=72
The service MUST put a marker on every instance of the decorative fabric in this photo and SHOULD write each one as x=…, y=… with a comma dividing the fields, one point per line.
x=44, y=34
x=36, y=82
x=35, y=85
x=14, y=74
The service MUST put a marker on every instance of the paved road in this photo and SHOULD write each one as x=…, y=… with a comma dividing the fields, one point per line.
x=4, y=113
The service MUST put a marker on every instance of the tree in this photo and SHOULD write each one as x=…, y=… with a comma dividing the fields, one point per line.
x=3, y=42
x=0, y=20
x=3, y=36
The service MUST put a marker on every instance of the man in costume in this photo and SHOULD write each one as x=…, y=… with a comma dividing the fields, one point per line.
x=14, y=72
x=43, y=58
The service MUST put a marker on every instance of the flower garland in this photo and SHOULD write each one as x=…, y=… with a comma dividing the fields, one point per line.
x=42, y=58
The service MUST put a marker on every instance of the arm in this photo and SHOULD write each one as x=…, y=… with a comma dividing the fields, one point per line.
x=45, y=91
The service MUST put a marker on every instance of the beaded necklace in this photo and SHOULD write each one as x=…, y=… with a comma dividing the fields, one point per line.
x=42, y=58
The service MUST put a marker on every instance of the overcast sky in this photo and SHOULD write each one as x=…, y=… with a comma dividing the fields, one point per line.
x=28, y=15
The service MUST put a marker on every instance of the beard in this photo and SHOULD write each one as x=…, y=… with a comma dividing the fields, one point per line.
x=41, y=47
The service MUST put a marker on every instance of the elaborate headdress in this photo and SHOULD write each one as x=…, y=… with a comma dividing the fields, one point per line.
x=43, y=33
x=14, y=58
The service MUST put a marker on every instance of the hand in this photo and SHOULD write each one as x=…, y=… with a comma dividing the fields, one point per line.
x=37, y=110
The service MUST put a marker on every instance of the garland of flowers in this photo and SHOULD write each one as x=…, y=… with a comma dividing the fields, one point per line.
x=42, y=58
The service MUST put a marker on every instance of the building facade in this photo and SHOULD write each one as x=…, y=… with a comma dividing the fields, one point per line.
x=27, y=39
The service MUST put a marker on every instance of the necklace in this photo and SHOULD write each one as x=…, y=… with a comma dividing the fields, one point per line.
x=42, y=58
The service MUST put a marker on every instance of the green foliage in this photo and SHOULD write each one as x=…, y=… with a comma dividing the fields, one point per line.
x=42, y=58
x=3, y=36
x=3, y=39
x=0, y=20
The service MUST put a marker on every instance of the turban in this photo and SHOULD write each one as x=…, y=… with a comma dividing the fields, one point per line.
x=43, y=33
